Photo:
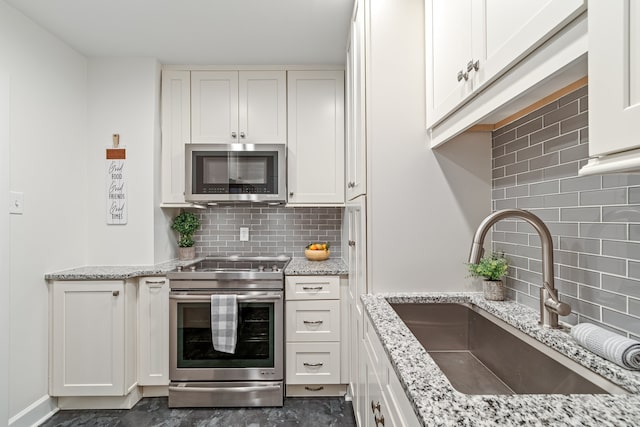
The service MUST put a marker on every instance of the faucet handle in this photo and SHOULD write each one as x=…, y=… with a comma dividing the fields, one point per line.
x=561, y=308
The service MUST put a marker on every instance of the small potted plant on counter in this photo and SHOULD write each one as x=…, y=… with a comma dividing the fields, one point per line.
x=492, y=268
x=186, y=223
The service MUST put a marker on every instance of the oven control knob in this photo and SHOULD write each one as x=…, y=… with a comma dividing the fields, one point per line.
x=261, y=268
x=179, y=268
x=274, y=268
x=192, y=268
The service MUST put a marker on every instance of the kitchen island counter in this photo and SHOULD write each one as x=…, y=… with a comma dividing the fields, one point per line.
x=437, y=403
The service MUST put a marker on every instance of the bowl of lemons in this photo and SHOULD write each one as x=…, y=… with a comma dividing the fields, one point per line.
x=318, y=251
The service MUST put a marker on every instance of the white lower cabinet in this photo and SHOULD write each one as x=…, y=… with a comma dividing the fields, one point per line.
x=93, y=338
x=153, y=327
x=386, y=402
x=313, y=331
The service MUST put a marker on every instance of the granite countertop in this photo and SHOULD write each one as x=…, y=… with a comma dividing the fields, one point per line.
x=297, y=267
x=118, y=272
x=437, y=403
x=304, y=267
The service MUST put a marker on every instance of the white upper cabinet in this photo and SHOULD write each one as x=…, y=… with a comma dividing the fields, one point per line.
x=356, y=173
x=176, y=132
x=470, y=43
x=448, y=51
x=238, y=107
x=614, y=86
x=214, y=106
x=315, y=144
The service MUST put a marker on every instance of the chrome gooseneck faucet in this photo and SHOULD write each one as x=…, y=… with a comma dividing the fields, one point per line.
x=550, y=306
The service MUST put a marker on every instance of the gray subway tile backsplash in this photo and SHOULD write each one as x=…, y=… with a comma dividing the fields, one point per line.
x=594, y=220
x=610, y=196
x=273, y=230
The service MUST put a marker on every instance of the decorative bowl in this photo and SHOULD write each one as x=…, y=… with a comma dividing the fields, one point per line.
x=320, y=255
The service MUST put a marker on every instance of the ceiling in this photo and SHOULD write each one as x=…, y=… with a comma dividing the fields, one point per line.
x=224, y=32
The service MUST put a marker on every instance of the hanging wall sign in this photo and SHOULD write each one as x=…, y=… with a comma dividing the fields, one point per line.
x=116, y=185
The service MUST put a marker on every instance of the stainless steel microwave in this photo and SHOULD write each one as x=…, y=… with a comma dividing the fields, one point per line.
x=235, y=172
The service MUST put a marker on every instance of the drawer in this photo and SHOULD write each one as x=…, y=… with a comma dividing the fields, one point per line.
x=313, y=363
x=299, y=390
x=312, y=320
x=312, y=287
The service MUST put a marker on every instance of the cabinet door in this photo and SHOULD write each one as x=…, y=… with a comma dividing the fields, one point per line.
x=153, y=326
x=356, y=179
x=88, y=339
x=316, y=137
x=262, y=107
x=504, y=31
x=614, y=77
x=356, y=221
x=214, y=106
x=176, y=132
x=448, y=49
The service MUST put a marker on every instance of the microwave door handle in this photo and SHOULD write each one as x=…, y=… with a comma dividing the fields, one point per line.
x=239, y=297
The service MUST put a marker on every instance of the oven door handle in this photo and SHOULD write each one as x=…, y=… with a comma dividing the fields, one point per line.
x=238, y=297
x=226, y=389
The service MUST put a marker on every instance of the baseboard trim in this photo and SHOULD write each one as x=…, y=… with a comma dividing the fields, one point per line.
x=101, y=402
x=36, y=413
x=155, y=391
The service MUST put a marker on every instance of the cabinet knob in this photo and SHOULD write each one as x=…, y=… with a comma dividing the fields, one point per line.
x=351, y=184
x=116, y=293
x=379, y=420
x=234, y=135
x=375, y=406
x=352, y=243
x=242, y=135
x=291, y=194
x=473, y=65
x=462, y=75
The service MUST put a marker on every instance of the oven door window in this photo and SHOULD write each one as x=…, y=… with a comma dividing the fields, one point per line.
x=255, y=343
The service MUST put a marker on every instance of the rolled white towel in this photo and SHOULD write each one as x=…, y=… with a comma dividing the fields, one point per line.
x=618, y=349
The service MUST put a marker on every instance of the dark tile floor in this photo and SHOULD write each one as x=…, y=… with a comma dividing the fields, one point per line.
x=153, y=411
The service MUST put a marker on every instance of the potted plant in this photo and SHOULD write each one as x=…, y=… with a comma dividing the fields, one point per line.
x=186, y=223
x=492, y=268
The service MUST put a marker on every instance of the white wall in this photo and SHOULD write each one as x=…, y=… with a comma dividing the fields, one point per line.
x=422, y=205
x=47, y=157
x=123, y=98
x=5, y=252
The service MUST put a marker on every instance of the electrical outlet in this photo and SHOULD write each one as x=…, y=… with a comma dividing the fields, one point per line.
x=244, y=234
x=16, y=202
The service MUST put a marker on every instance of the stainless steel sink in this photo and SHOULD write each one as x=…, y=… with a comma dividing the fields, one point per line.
x=480, y=354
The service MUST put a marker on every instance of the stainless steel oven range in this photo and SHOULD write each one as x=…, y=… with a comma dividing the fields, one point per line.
x=251, y=376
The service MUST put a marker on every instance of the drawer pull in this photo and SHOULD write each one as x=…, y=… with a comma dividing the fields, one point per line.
x=312, y=288
x=313, y=365
x=379, y=421
x=375, y=406
x=312, y=322
x=314, y=388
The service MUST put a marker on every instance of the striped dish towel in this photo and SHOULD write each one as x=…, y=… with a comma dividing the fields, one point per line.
x=224, y=322
x=616, y=348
